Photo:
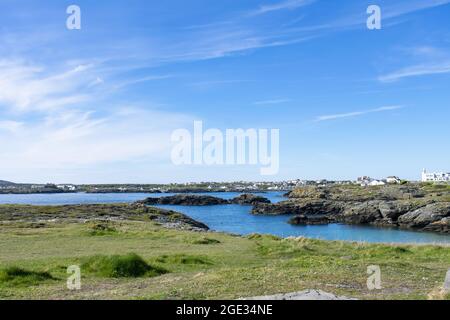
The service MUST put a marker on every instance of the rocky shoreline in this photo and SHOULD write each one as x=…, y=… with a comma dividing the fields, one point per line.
x=415, y=207
x=202, y=200
x=41, y=215
x=409, y=207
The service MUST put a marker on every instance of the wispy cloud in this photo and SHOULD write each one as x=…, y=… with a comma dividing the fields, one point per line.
x=222, y=39
x=397, y=10
x=142, y=80
x=273, y=101
x=51, y=123
x=285, y=5
x=212, y=83
x=356, y=113
x=25, y=87
x=83, y=138
x=391, y=14
x=415, y=71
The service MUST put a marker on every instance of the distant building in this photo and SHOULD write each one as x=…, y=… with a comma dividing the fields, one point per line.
x=435, y=176
x=393, y=180
x=67, y=187
x=377, y=183
x=366, y=181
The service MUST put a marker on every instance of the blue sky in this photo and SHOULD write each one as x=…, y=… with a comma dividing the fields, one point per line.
x=98, y=105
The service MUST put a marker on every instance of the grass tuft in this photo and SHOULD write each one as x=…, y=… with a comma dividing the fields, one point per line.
x=257, y=236
x=205, y=241
x=121, y=266
x=18, y=277
x=183, y=259
x=100, y=228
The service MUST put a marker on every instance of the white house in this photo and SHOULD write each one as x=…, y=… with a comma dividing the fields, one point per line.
x=435, y=176
x=364, y=178
x=67, y=187
x=368, y=181
x=393, y=180
x=377, y=183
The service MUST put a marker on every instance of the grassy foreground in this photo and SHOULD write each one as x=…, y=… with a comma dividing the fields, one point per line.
x=196, y=265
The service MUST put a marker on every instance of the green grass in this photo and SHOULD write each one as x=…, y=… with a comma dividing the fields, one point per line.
x=19, y=277
x=120, y=266
x=183, y=259
x=101, y=228
x=230, y=268
x=205, y=240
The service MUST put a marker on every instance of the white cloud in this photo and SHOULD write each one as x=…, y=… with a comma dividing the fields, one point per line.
x=67, y=132
x=411, y=6
x=390, y=11
x=131, y=82
x=222, y=39
x=415, y=71
x=77, y=138
x=212, y=83
x=285, y=5
x=25, y=87
x=356, y=113
x=273, y=101
x=96, y=82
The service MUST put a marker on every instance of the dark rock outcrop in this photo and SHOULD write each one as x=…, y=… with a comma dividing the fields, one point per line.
x=203, y=200
x=362, y=213
x=433, y=217
x=392, y=210
x=176, y=220
x=249, y=199
x=284, y=208
x=304, y=207
x=185, y=200
x=312, y=220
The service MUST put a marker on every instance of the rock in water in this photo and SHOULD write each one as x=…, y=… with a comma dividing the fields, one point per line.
x=249, y=199
x=299, y=207
x=311, y=220
x=185, y=200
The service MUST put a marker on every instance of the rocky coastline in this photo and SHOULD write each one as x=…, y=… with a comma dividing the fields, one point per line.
x=416, y=207
x=409, y=207
x=38, y=216
x=204, y=200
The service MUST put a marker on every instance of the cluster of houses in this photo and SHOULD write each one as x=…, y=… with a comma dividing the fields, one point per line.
x=366, y=181
x=435, y=176
x=7, y=187
x=426, y=177
x=67, y=187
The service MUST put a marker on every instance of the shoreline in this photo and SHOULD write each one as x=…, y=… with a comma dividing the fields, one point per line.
x=106, y=212
x=143, y=192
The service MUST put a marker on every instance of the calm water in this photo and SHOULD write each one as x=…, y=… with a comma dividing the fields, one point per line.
x=237, y=219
